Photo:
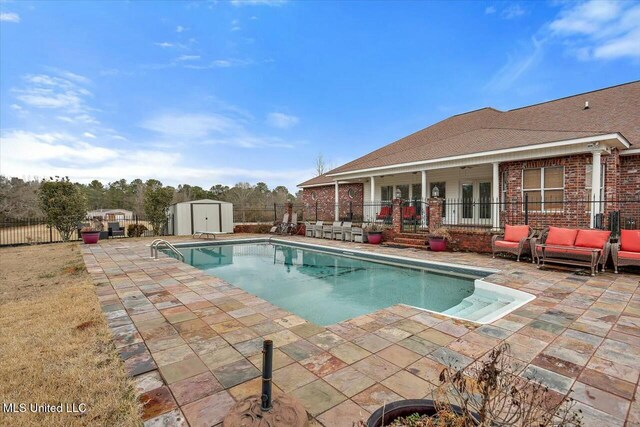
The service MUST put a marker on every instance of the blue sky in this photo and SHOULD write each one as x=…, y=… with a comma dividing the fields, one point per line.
x=220, y=92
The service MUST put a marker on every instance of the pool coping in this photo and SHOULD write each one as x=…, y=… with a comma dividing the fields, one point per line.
x=447, y=268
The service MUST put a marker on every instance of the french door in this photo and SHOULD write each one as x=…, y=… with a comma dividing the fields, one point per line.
x=476, y=202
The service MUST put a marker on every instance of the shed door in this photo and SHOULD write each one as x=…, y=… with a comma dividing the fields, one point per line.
x=206, y=217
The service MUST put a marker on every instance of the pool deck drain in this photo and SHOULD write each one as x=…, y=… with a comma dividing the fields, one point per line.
x=192, y=342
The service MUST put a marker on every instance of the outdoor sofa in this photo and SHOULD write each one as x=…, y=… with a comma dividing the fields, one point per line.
x=627, y=250
x=572, y=246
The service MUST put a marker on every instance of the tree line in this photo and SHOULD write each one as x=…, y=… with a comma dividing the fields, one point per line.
x=20, y=198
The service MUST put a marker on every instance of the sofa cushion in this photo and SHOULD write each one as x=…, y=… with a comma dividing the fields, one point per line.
x=629, y=255
x=592, y=238
x=506, y=244
x=515, y=233
x=630, y=240
x=561, y=236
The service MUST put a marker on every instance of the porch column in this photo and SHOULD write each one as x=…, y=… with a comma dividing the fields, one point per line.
x=371, y=212
x=495, y=195
x=337, y=206
x=423, y=197
x=595, y=186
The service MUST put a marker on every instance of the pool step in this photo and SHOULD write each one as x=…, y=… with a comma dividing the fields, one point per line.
x=475, y=307
x=394, y=244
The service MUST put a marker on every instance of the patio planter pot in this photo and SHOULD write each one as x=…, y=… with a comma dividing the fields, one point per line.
x=90, y=237
x=402, y=408
x=374, y=237
x=437, y=244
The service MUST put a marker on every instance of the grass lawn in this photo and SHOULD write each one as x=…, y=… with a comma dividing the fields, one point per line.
x=55, y=347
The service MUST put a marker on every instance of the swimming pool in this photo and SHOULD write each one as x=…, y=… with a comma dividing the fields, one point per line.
x=325, y=287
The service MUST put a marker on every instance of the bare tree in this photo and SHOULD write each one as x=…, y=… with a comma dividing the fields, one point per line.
x=321, y=165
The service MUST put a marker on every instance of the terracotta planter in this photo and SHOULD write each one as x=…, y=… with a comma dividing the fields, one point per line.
x=374, y=237
x=437, y=244
x=90, y=237
x=403, y=408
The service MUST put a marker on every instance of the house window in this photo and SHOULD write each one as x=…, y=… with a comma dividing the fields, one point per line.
x=587, y=186
x=416, y=191
x=386, y=193
x=314, y=195
x=544, y=188
x=351, y=193
x=404, y=191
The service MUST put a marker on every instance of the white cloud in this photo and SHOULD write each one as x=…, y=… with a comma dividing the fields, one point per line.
x=9, y=17
x=50, y=154
x=165, y=45
x=221, y=63
x=188, y=58
x=513, y=11
x=189, y=126
x=490, y=10
x=516, y=66
x=180, y=29
x=599, y=30
x=281, y=120
x=258, y=2
x=89, y=135
x=52, y=92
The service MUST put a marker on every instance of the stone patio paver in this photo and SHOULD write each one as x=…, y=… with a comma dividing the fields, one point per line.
x=193, y=342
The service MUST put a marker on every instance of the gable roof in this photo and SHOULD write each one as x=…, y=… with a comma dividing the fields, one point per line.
x=611, y=110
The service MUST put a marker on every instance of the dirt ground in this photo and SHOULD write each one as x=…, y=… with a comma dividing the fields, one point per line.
x=55, y=347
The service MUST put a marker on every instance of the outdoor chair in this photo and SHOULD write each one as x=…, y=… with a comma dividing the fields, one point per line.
x=317, y=229
x=327, y=230
x=515, y=240
x=384, y=214
x=115, y=229
x=357, y=235
x=339, y=232
x=277, y=226
x=627, y=250
x=308, y=229
x=292, y=227
x=409, y=214
x=347, y=231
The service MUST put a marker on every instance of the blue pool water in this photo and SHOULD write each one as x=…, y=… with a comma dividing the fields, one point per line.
x=324, y=288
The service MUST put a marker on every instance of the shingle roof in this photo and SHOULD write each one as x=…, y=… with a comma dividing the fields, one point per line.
x=613, y=109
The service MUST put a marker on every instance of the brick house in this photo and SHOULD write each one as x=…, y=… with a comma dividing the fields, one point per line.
x=569, y=159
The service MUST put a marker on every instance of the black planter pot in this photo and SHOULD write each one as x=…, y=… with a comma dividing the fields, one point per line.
x=403, y=408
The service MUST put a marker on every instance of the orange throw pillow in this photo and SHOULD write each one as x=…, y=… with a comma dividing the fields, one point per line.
x=515, y=233
x=592, y=238
x=630, y=240
x=561, y=236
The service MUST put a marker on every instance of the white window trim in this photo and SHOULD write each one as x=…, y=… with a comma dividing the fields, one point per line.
x=503, y=189
x=542, y=189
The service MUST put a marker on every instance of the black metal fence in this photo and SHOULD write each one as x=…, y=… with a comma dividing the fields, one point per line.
x=19, y=231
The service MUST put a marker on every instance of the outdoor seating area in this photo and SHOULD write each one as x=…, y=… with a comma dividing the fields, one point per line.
x=569, y=246
x=338, y=230
x=288, y=226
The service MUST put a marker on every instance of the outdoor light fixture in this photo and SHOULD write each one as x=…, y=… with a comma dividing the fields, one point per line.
x=398, y=193
x=436, y=191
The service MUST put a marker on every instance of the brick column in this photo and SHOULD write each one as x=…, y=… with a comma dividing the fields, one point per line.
x=435, y=213
x=396, y=215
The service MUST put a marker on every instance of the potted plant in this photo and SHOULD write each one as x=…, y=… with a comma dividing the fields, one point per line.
x=486, y=393
x=374, y=233
x=438, y=239
x=89, y=235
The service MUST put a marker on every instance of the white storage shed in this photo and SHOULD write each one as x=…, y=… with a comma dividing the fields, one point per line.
x=187, y=218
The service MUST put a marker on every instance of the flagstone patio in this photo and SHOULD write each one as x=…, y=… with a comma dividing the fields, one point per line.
x=192, y=342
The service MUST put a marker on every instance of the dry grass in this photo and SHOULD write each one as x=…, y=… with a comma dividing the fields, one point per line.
x=55, y=346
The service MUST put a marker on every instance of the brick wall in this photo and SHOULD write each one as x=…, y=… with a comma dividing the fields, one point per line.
x=470, y=241
x=629, y=189
x=325, y=198
x=576, y=211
